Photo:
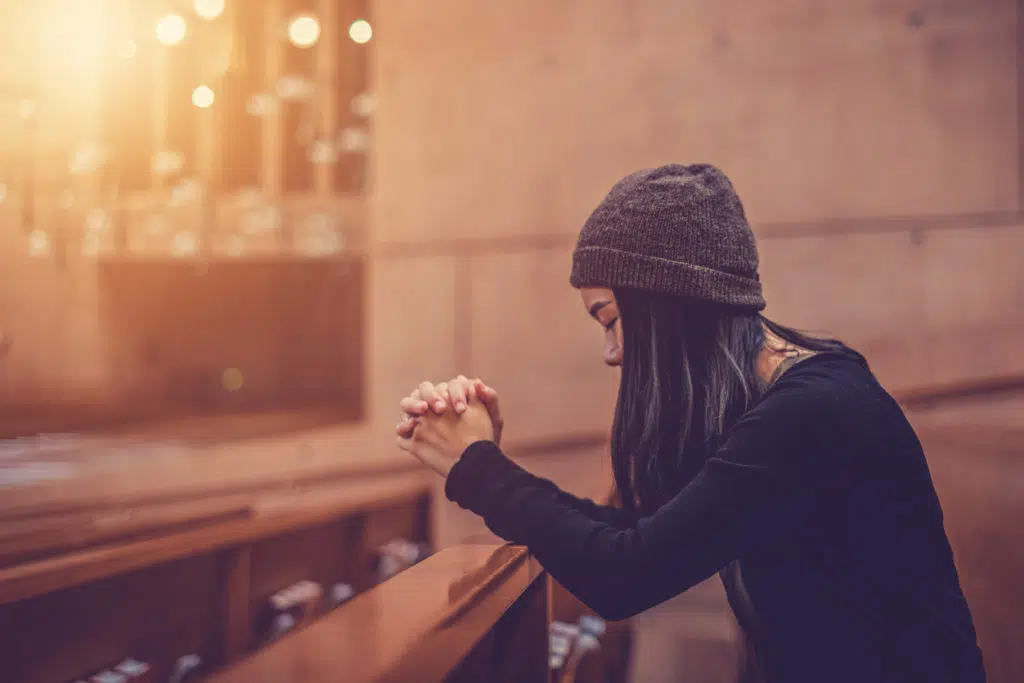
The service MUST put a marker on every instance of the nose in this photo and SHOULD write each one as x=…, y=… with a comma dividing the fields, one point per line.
x=613, y=355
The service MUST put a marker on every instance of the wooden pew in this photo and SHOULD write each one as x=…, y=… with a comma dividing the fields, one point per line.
x=154, y=553
x=976, y=455
x=610, y=662
x=466, y=614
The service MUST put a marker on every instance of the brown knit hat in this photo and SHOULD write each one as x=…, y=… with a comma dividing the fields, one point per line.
x=675, y=230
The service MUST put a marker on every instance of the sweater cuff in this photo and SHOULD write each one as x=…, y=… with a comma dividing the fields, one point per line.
x=477, y=474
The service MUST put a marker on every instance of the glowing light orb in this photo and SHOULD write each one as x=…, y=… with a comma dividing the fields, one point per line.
x=304, y=30
x=360, y=31
x=232, y=379
x=202, y=97
x=171, y=28
x=208, y=9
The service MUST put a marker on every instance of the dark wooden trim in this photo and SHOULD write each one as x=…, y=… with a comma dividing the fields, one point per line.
x=767, y=230
x=983, y=387
x=268, y=518
x=887, y=224
x=236, y=627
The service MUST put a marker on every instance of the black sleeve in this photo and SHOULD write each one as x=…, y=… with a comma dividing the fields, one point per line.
x=605, y=514
x=776, y=457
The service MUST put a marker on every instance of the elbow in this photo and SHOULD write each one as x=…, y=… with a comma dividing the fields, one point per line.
x=612, y=608
x=616, y=614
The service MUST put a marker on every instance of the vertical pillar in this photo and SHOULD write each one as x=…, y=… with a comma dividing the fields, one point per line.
x=273, y=133
x=326, y=80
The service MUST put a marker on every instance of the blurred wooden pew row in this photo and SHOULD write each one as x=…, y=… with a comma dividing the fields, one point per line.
x=163, y=546
x=467, y=614
x=62, y=492
x=214, y=588
x=976, y=454
x=130, y=547
x=65, y=474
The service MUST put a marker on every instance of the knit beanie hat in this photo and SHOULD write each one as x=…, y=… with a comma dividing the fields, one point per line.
x=674, y=230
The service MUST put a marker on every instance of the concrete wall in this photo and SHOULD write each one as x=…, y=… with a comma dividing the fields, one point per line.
x=875, y=144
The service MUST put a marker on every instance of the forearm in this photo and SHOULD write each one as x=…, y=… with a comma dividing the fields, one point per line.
x=608, y=514
x=617, y=570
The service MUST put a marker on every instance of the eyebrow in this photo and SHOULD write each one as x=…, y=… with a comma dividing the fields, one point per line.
x=598, y=305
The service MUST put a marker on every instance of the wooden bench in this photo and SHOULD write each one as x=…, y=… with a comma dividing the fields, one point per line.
x=976, y=455
x=466, y=614
x=155, y=552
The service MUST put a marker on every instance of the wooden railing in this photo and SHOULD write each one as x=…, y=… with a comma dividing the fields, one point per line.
x=469, y=613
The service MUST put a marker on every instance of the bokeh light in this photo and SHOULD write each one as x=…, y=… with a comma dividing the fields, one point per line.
x=167, y=162
x=363, y=104
x=232, y=379
x=38, y=243
x=304, y=30
x=185, y=243
x=171, y=28
x=208, y=9
x=202, y=97
x=360, y=31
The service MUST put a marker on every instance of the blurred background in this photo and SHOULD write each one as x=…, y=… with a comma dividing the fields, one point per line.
x=234, y=233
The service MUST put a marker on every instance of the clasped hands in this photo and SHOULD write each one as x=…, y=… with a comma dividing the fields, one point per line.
x=440, y=421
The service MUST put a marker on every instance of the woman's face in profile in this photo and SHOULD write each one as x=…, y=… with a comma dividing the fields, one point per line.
x=601, y=306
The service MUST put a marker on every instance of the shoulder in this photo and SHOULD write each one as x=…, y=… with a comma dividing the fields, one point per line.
x=816, y=407
x=824, y=393
x=832, y=379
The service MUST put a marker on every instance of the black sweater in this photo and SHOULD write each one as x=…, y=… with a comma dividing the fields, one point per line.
x=821, y=494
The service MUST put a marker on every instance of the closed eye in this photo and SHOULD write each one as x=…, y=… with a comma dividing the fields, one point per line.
x=611, y=323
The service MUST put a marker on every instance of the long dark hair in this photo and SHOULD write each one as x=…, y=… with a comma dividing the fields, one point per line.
x=689, y=371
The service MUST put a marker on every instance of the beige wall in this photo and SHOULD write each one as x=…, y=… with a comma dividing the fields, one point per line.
x=50, y=318
x=875, y=145
x=878, y=159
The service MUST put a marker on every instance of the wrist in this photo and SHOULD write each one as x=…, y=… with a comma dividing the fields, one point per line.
x=466, y=443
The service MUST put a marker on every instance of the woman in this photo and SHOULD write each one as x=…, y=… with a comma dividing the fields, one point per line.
x=739, y=446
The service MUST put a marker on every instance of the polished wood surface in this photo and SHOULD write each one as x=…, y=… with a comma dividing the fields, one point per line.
x=205, y=591
x=166, y=461
x=269, y=515
x=418, y=626
x=69, y=493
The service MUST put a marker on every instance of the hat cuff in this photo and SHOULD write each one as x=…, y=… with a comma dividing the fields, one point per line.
x=605, y=267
